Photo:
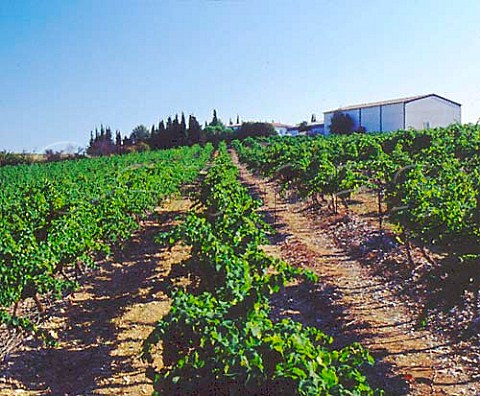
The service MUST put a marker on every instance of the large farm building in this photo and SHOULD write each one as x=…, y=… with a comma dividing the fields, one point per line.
x=418, y=112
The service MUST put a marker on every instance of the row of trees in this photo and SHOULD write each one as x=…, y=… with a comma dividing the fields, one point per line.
x=171, y=133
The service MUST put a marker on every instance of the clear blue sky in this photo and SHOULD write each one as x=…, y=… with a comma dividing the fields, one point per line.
x=68, y=66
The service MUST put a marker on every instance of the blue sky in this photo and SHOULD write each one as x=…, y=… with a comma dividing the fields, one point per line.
x=68, y=66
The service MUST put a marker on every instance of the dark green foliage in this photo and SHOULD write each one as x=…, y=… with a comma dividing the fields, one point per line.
x=7, y=158
x=54, y=218
x=427, y=183
x=139, y=134
x=303, y=127
x=194, y=131
x=168, y=134
x=216, y=134
x=215, y=120
x=430, y=178
x=342, y=124
x=102, y=143
x=255, y=129
x=221, y=340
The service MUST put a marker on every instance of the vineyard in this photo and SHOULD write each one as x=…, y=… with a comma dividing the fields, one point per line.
x=57, y=218
x=220, y=340
x=221, y=333
x=426, y=185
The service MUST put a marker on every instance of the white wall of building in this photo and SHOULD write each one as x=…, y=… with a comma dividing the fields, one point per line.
x=317, y=130
x=383, y=118
x=431, y=112
x=327, y=119
x=282, y=131
x=371, y=118
x=392, y=117
x=292, y=132
x=355, y=115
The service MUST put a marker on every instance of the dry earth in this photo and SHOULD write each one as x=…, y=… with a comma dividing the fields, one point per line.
x=101, y=327
x=352, y=304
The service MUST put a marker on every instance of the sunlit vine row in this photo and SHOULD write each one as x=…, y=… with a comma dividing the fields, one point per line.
x=56, y=218
x=219, y=338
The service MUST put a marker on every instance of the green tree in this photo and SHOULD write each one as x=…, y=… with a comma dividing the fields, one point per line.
x=194, y=130
x=118, y=142
x=176, y=133
x=303, y=127
x=215, y=121
x=157, y=139
x=251, y=129
x=139, y=134
x=169, y=133
x=341, y=124
x=183, y=138
x=102, y=143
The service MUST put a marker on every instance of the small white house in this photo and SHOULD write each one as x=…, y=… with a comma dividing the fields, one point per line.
x=234, y=127
x=417, y=112
x=315, y=128
x=292, y=131
x=281, y=129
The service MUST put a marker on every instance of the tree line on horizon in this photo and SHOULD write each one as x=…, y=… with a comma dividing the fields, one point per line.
x=170, y=133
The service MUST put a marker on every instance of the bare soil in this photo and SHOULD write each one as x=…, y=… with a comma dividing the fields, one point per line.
x=102, y=326
x=353, y=303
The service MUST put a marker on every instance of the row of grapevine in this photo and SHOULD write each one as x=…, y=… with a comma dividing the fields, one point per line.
x=429, y=180
x=55, y=218
x=426, y=182
x=219, y=338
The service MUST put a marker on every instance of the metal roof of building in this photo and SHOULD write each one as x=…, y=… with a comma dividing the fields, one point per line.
x=390, y=102
x=280, y=125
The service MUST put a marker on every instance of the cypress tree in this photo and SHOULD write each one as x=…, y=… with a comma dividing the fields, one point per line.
x=161, y=136
x=108, y=135
x=214, y=118
x=118, y=142
x=169, y=133
x=194, y=130
x=183, y=138
x=176, y=131
x=161, y=127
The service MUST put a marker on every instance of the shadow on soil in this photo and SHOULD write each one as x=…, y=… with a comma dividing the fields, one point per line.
x=85, y=361
x=318, y=306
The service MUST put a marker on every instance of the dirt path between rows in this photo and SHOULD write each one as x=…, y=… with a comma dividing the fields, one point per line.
x=101, y=328
x=355, y=305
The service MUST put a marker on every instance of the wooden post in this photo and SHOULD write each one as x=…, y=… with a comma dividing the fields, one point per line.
x=380, y=210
